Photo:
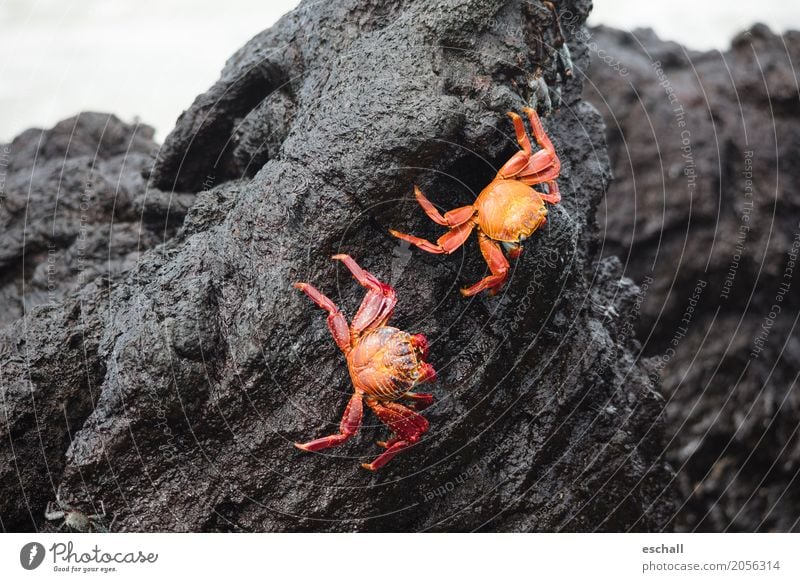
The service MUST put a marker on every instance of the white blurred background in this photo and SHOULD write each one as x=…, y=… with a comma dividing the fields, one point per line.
x=150, y=58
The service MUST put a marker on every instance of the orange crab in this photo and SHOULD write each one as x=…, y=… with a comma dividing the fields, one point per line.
x=385, y=363
x=507, y=211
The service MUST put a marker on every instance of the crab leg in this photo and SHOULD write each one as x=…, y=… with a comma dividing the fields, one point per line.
x=451, y=218
x=533, y=168
x=514, y=165
x=542, y=166
x=351, y=421
x=553, y=195
x=522, y=135
x=365, y=278
x=446, y=244
x=387, y=444
x=377, y=307
x=498, y=265
x=404, y=422
x=336, y=320
x=422, y=400
x=514, y=250
x=540, y=169
x=539, y=134
x=520, y=159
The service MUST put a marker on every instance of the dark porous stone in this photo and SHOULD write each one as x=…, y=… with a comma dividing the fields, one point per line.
x=67, y=208
x=705, y=211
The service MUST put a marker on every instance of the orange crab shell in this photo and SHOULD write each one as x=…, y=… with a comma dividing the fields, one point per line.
x=509, y=211
x=387, y=362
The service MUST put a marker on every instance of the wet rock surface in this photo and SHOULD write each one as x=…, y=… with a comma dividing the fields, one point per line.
x=174, y=390
x=70, y=209
x=705, y=213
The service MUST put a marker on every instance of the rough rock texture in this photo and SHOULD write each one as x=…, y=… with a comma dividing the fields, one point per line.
x=174, y=393
x=705, y=211
x=74, y=217
x=70, y=209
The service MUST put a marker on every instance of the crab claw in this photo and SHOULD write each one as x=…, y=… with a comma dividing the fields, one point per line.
x=514, y=250
x=426, y=373
x=420, y=342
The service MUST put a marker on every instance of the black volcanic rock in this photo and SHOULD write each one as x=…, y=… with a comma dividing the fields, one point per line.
x=705, y=211
x=173, y=392
x=70, y=208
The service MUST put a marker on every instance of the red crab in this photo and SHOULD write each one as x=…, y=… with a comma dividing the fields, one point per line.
x=385, y=363
x=507, y=211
